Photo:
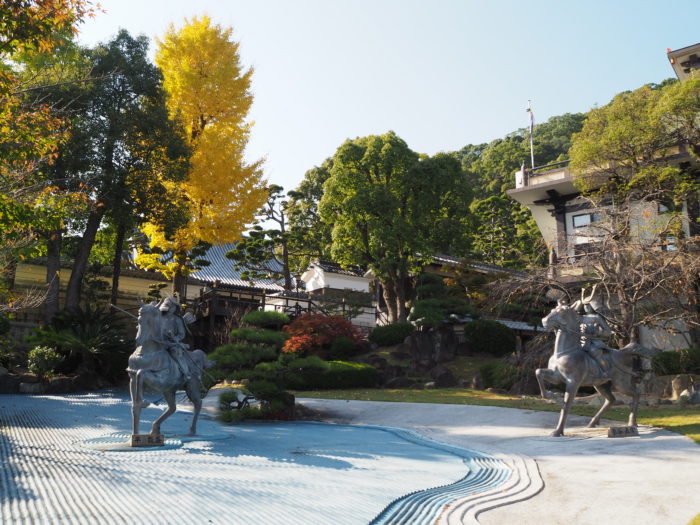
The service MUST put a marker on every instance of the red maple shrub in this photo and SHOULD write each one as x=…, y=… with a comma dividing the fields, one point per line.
x=313, y=334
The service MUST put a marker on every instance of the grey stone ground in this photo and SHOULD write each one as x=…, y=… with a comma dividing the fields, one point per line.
x=588, y=478
x=582, y=479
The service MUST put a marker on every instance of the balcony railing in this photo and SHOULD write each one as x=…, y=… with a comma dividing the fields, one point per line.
x=542, y=174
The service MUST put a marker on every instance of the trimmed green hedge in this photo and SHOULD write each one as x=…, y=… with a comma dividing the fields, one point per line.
x=677, y=362
x=338, y=375
x=391, y=334
x=235, y=356
x=261, y=336
x=489, y=337
x=265, y=319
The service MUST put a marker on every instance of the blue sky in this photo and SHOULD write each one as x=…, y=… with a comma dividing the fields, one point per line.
x=441, y=73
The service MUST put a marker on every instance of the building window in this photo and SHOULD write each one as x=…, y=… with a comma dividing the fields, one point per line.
x=584, y=219
x=670, y=245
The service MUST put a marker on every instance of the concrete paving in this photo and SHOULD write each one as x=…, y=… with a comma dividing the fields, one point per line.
x=588, y=478
x=376, y=464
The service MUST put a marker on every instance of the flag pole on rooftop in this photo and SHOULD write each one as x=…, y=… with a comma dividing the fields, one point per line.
x=531, y=117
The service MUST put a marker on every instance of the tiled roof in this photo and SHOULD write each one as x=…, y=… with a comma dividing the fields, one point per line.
x=222, y=269
x=519, y=325
x=484, y=267
x=331, y=267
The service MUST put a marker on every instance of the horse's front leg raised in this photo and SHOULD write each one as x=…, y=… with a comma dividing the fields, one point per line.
x=170, y=399
x=544, y=376
x=569, y=396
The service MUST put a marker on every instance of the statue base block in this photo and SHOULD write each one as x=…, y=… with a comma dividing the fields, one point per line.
x=621, y=432
x=147, y=440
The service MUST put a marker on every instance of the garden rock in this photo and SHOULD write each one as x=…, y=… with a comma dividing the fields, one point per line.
x=443, y=377
x=375, y=360
x=399, y=382
x=690, y=396
x=477, y=382
x=445, y=345
x=430, y=385
x=31, y=388
x=28, y=378
x=60, y=385
x=526, y=386
x=364, y=347
x=3, y=371
x=9, y=384
x=419, y=346
x=391, y=372
x=659, y=386
x=680, y=383
x=426, y=349
x=397, y=354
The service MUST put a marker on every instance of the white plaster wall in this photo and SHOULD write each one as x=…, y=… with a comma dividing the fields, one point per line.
x=347, y=282
x=316, y=281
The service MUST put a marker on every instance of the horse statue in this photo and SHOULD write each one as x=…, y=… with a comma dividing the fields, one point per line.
x=579, y=363
x=161, y=362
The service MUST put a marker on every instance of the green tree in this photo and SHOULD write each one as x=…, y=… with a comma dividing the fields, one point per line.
x=311, y=237
x=132, y=148
x=385, y=203
x=624, y=162
x=30, y=127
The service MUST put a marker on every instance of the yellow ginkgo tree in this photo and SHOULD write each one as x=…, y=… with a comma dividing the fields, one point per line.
x=209, y=94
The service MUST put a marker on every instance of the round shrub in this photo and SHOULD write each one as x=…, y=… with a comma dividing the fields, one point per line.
x=343, y=348
x=489, y=337
x=391, y=334
x=266, y=319
x=43, y=361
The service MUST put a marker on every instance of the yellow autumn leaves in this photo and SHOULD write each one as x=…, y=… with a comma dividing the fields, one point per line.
x=209, y=94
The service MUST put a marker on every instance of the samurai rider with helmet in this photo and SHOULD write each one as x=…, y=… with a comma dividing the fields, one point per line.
x=595, y=331
x=174, y=331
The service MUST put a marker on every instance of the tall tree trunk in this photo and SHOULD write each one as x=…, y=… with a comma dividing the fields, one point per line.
x=390, y=300
x=401, y=309
x=287, y=274
x=180, y=278
x=81, y=259
x=53, y=273
x=117, y=261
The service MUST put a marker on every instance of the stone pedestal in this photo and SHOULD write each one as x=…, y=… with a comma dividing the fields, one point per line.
x=147, y=440
x=618, y=432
